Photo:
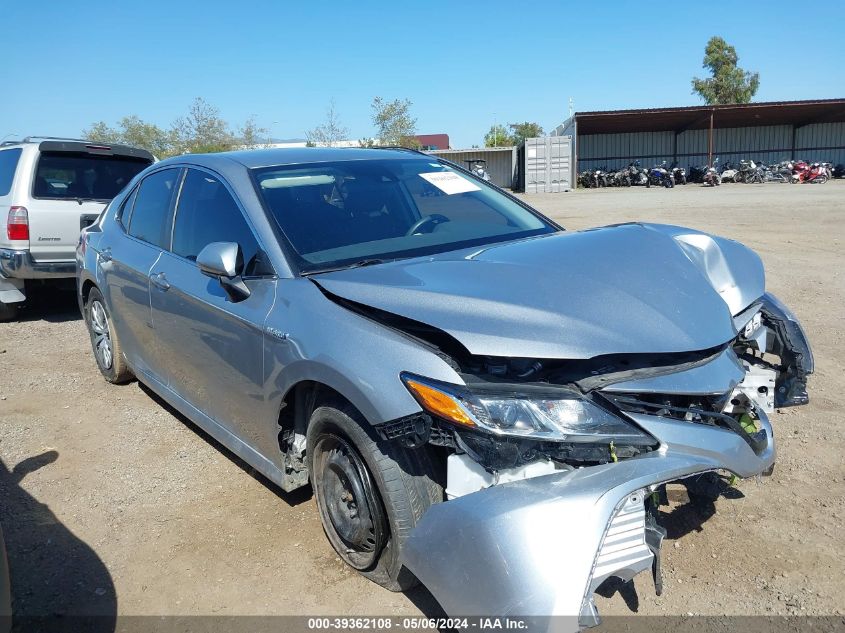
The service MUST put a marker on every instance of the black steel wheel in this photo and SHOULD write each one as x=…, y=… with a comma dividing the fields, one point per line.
x=370, y=492
x=350, y=507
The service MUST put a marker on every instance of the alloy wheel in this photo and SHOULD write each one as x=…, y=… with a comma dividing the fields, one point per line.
x=102, y=336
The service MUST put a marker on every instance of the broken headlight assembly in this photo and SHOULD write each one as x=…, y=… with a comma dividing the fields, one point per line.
x=524, y=411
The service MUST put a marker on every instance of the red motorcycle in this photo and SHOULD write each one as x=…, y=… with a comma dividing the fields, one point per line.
x=804, y=172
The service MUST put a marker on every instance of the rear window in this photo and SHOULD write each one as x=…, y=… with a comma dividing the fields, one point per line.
x=8, y=164
x=65, y=175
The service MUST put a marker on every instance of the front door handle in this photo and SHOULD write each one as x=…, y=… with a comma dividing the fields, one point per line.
x=159, y=280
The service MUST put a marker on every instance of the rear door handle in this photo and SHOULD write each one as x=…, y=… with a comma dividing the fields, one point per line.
x=159, y=280
x=105, y=254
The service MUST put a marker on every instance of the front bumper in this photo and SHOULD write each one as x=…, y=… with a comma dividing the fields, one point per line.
x=18, y=264
x=539, y=547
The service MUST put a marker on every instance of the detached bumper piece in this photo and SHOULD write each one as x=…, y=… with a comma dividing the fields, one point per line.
x=631, y=545
x=539, y=547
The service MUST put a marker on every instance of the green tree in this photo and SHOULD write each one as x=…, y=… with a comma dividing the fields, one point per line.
x=202, y=130
x=132, y=130
x=252, y=136
x=729, y=83
x=497, y=136
x=328, y=133
x=393, y=122
x=100, y=132
x=522, y=131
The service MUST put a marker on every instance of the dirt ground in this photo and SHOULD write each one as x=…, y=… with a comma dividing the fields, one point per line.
x=112, y=504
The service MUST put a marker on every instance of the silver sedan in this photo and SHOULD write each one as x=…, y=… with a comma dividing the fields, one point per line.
x=480, y=400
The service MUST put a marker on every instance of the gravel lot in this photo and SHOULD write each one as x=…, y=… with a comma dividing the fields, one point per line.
x=112, y=504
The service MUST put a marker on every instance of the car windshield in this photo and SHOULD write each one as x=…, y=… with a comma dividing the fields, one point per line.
x=338, y=214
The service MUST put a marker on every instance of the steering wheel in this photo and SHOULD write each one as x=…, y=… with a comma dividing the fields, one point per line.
x=433, y=219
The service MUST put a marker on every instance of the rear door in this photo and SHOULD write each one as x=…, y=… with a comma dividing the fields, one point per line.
x=71, y=184
x=126, y=258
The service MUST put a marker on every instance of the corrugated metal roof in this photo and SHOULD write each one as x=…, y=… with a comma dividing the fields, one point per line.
x=797, y=113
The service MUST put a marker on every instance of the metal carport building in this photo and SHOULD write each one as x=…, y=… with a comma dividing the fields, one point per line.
x=767, y=132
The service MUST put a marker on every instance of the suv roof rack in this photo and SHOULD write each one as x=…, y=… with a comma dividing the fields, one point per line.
x=31, y=139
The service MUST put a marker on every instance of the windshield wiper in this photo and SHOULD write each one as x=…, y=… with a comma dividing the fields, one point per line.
x=81, y=200
x=359, y=264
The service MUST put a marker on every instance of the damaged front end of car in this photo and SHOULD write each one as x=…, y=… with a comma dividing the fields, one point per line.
x=556, y=469
x=590, y=369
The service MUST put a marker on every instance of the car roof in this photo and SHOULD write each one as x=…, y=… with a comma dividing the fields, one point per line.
x=255, y=158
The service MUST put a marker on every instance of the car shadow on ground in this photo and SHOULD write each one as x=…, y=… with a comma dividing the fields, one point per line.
x=52, y=303
x=58, y=582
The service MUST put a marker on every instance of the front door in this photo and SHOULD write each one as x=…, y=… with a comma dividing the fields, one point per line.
x=213, y=345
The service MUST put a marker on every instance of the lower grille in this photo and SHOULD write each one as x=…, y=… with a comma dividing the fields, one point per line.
x=624, y=548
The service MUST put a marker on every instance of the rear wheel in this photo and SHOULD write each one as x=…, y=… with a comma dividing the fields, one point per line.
x=104, y=341
x=370, y=493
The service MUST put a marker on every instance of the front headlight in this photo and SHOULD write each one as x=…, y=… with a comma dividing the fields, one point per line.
x=558, y=415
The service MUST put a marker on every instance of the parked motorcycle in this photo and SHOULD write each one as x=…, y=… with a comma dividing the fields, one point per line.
x=679, y=174
x=711, y=176
x=781, y=172
x=729, y=173
x=804, y=172
x=749, y=172
x=639, y=176
x=621, y=178
x=659, y=175
x=478, y=166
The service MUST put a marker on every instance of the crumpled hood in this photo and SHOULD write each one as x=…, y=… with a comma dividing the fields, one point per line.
x=631, y=288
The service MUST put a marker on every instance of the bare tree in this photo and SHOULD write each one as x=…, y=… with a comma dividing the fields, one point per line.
x=330, y=132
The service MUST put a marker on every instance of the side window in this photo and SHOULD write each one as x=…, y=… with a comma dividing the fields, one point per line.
x=151, y=213
x=207, y=213
x=8, y=165
x=126, y=208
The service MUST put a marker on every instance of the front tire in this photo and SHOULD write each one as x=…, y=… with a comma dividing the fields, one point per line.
x=370, y=492
x=104, y=341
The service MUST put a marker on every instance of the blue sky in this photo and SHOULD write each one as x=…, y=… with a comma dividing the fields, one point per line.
x=65, y=65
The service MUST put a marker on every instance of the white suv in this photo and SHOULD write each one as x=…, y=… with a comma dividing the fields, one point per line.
x=49, y=189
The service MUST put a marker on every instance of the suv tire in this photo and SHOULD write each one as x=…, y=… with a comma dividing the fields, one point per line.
x=104, y=342
x=8, y=311
x=370, y=492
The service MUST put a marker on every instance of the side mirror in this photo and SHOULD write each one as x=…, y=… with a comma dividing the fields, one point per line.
x=224, y=261
x=221, y=259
